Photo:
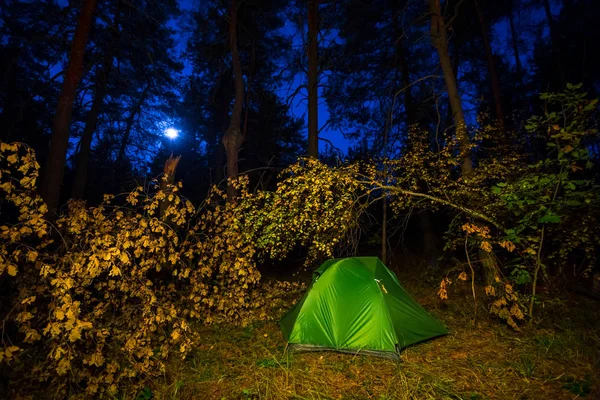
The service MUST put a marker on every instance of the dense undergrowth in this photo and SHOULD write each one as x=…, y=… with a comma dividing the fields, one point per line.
x=100, y=297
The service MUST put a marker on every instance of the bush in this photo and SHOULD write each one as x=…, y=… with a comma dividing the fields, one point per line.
x=101, y=297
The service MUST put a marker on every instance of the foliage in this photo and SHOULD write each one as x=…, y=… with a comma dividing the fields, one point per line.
x=557, y=191
x=578, y=387
x=18, y=174
x=523, y=187
x=111, y=291
x=505, y=303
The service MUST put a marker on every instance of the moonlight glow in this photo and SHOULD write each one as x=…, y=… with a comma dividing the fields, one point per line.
x=171, y=133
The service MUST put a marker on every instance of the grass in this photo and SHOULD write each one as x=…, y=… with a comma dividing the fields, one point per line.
x=557, y=359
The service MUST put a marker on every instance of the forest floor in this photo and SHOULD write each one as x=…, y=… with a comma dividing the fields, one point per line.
x=558, y=358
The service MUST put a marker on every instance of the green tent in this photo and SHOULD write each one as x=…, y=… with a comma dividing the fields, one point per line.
x=357, y=305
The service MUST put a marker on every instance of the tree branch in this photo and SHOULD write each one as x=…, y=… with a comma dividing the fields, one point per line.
x=466, y=210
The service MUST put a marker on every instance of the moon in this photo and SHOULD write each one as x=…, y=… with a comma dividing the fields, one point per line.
x=171, y=133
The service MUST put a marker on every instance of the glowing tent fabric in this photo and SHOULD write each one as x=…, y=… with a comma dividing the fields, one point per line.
x=357, y=305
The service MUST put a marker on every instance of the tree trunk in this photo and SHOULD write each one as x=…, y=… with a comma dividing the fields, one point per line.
x=440, y=42
x=429, y=238
x=555, y=45
x=515, y=42
x=429, y=243
x=401, y=64
x=59, y=142
x=249, y=89
x=129, y=125
x=491, y=66
x=9, y=85
x=166, y=183
x=313, y=74
x=409, y=105
x=219, y=156
x=83, y=157
x=233, y=138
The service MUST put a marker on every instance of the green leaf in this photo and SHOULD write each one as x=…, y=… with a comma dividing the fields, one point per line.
x=573, y=203
x=520, y=276
x=549, y=218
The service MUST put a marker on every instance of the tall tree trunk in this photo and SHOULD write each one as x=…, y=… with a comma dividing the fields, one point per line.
x=440, y=42
x=555, y=45
x=491, y=66
x=233, y=138
x=438, y=37
x=83, y=157
x=249, y=89
x=402, y=64
x=219, y=156
x=515, y=42
x=8, y=120
x=135, y=110
x=55, y=164
x=313, y=75
x=429, y=238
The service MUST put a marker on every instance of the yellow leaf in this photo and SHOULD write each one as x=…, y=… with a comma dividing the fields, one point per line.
x=12, y=159
x=32, y=255
x=63, y=366
x=12, y=269
x=28, y=300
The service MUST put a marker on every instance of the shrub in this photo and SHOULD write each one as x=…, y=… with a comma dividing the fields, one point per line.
x=102, y=296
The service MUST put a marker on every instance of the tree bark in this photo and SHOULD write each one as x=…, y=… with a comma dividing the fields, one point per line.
x=313, y=75
x=440, y=42
x=491, y=66
x=219, y=155
x=429, y=237
x=129, y=125
x=409, y=104
x=515, y=42
x=555, y=45
x=429, y=243
x=249, y=90
x=438, y=37
x=233, y=138
x=59, y=142
x=83, y=157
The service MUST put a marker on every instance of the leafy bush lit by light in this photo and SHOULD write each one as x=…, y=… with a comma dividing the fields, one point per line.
x=105, y=294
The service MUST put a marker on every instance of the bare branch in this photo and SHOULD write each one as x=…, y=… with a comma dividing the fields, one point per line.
x=340, y=155
x=293, y=95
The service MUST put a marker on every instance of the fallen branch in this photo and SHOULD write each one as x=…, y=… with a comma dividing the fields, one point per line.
x=398, y=190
